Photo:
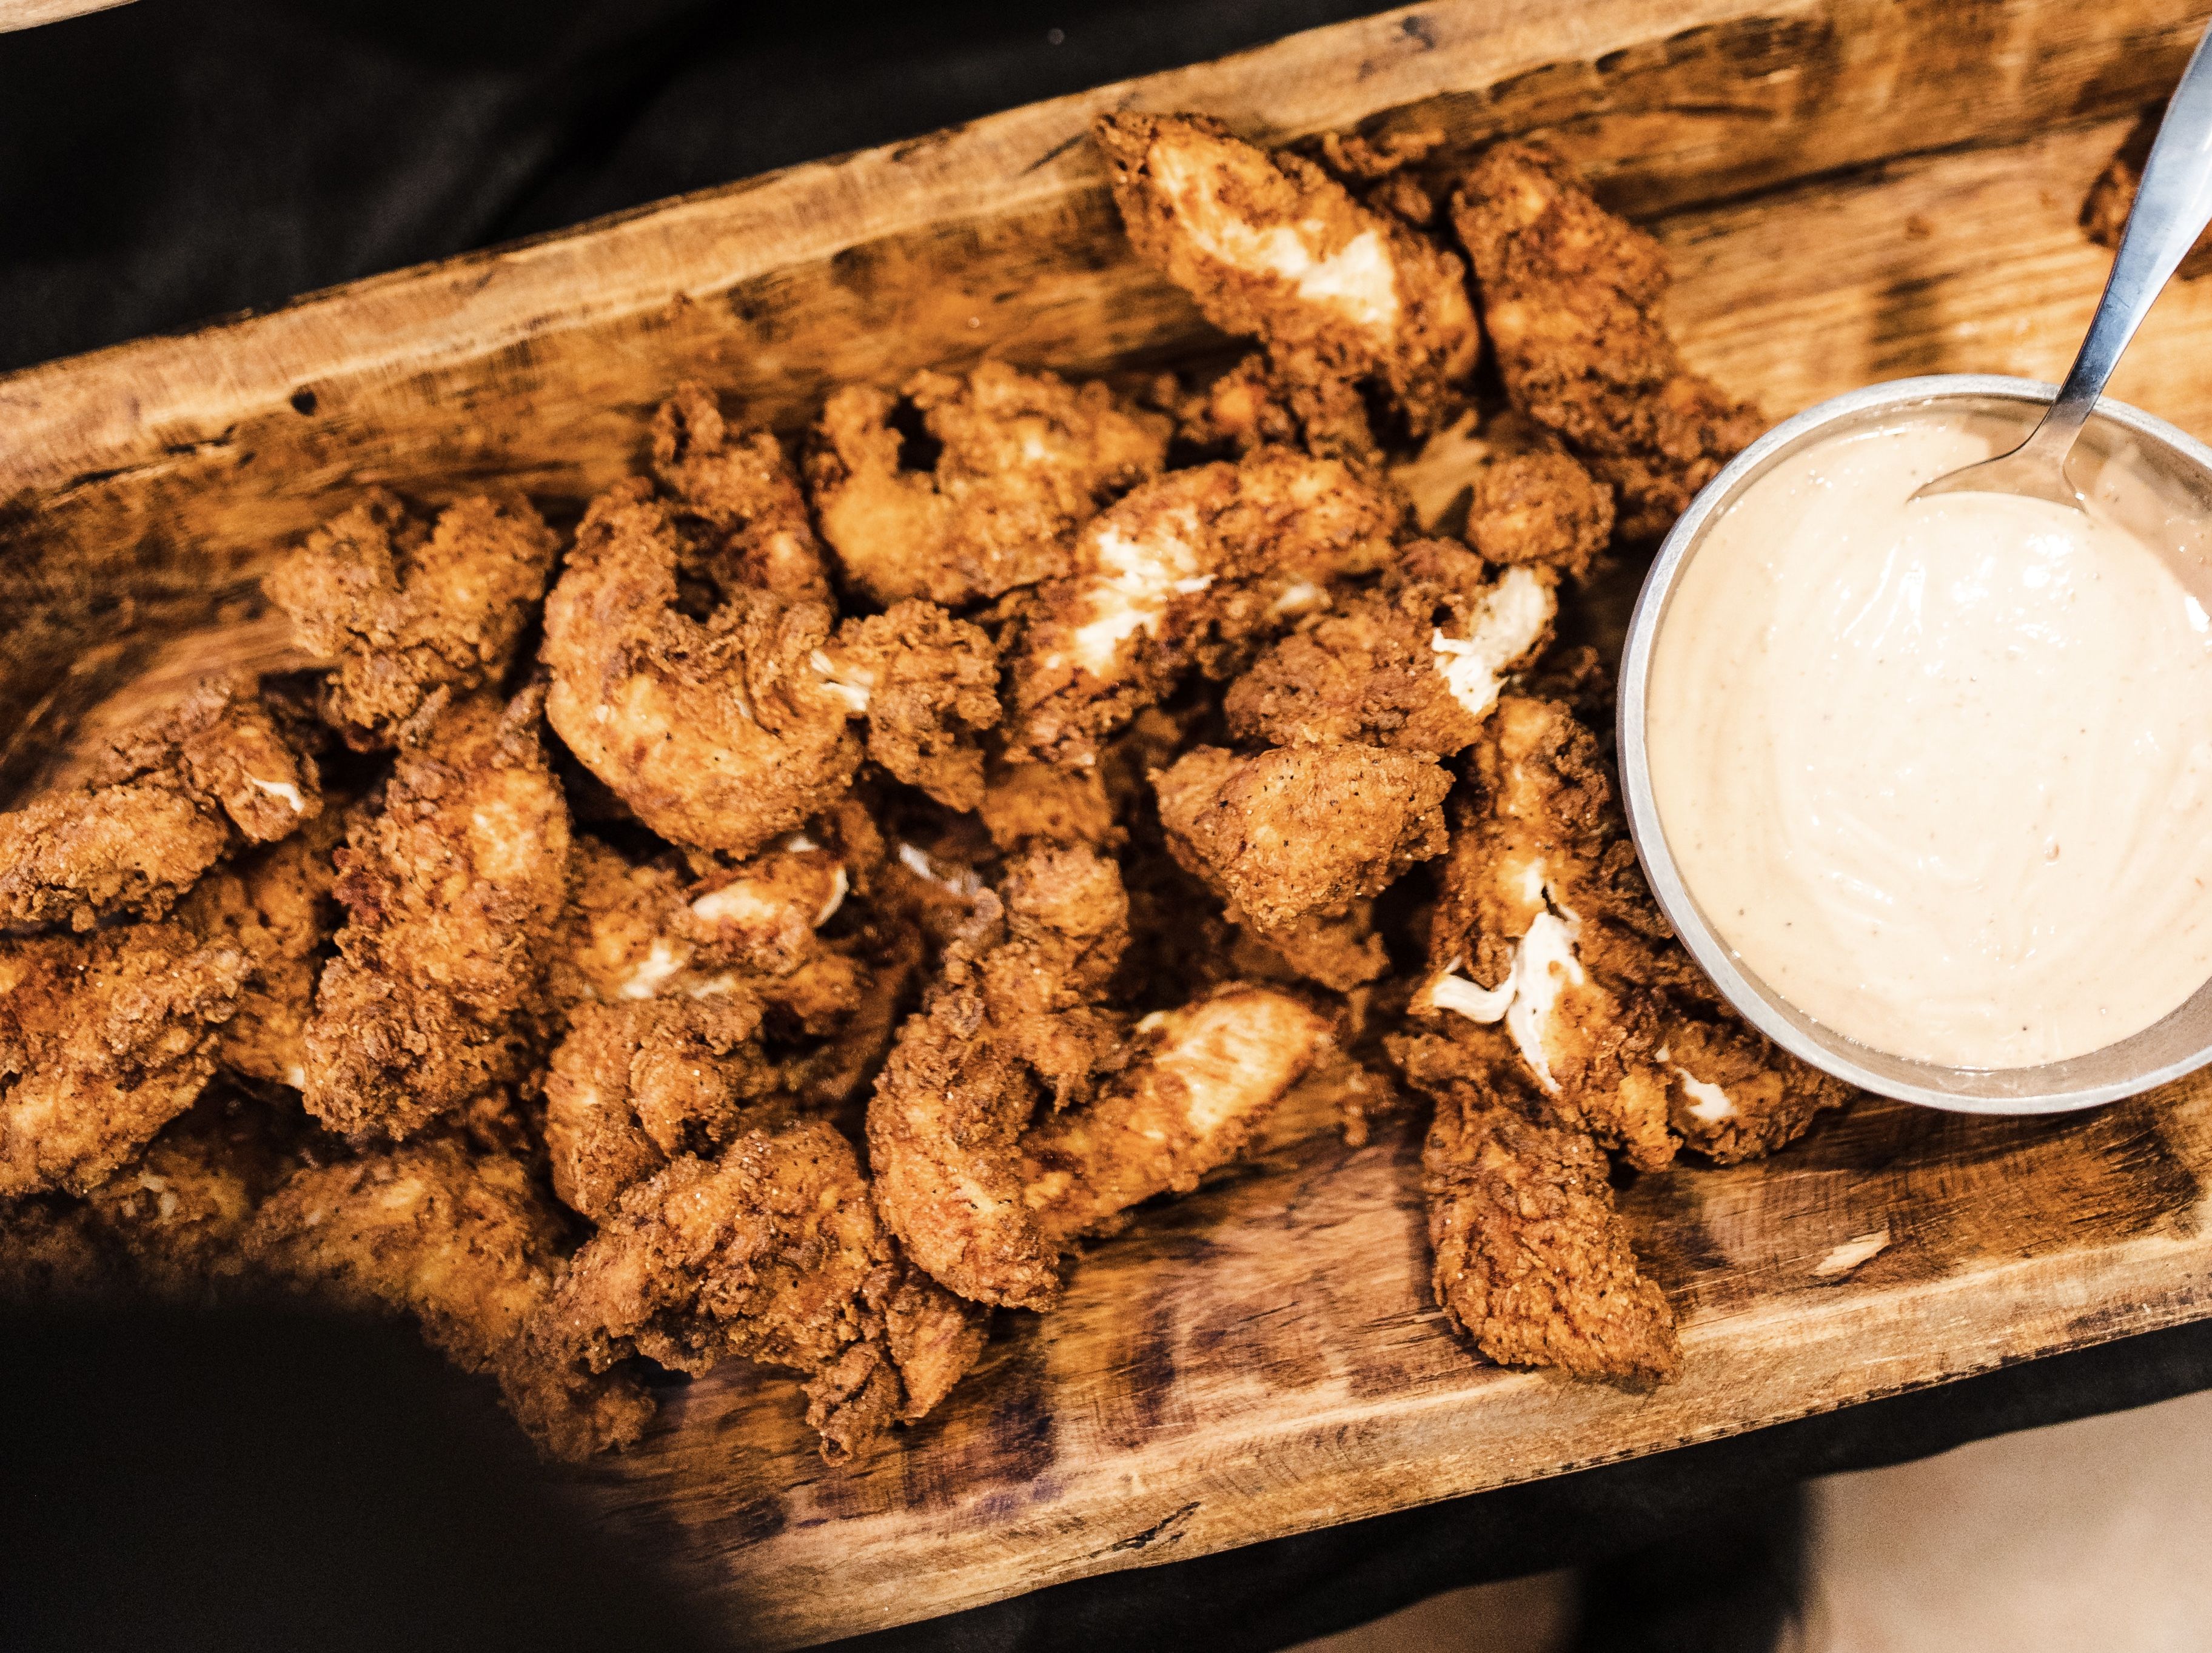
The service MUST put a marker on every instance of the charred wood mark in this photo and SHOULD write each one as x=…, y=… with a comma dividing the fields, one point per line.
x=1166, y=1530
x=1053, y=153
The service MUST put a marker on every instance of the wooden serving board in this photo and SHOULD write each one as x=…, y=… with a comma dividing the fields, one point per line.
x=1854, y=190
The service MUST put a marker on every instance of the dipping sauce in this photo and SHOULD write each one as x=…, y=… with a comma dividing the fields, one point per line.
x=1940, y=771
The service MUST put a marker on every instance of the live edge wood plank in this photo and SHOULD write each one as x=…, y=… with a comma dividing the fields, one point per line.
x=1852, y=189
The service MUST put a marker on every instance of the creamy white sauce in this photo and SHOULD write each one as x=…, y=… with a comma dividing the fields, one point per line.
x=1937, y=770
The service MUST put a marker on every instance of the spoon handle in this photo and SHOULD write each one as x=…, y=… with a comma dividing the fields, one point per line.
x=2170, y=209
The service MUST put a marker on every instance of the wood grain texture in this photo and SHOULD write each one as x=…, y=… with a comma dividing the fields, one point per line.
x=1853, y=190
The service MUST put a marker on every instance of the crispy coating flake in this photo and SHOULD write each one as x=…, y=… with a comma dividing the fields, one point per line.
x=1301, y=831
x=1036, y=806
x=1531, y=1259
x=1415, y=665
x=635, y=1085
x=406, y=610
x=727, y=732
x=1271, y=246
x=1509, y=487
x=1194, y=571
x=155, y=810
x=1570, y=297
x=453, y=891
x=1542, y=898
x=463, y=1245
x=738, y=494
x=1020, y=459
x=104, y=1039
x=1253, y=406
x=772, y=1253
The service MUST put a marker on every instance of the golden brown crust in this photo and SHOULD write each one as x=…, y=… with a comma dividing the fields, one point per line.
x=1414, y=664
x=1271, y=246
x=772, y=1253
x=137, y=829
x=1021, y=458
x=1296, y=830
x=1544, y=911
x=407, y=612
x=737, y=493
x=104, y=1039
x=463, y=1245
x=929, y=686
x=1194, y=572
x=454, y=889
x=1570, y=298
x=1532, y=1260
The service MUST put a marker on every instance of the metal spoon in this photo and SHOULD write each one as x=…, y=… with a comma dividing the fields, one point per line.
x=2170, y=210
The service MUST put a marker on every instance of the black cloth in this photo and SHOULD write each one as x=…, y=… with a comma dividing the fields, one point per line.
x=178, y=159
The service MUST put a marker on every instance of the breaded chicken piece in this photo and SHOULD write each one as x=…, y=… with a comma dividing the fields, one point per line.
x=276, y=905
x=1201, y=1079
x=104, y=1039
x=406, y=610
x=1271, y=246
x=1542, y=897
x=1012, y=1114
x=137, y=829
x=1036, y=806
x=1508, y=487
x=980, y=501
x=177, y=1217
x=1570, y=297
x=453, y=891
x=772, y=1253
x=1192, y=572
x=1253, y=406
x=1531, y=1259
x=1298, y=831
x=739, y=496
x=463, y=1245
x=635, y=1085
x=1415, y=665
x=727, y=733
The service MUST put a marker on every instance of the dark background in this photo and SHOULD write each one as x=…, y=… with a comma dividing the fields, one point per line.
x=248, y=1484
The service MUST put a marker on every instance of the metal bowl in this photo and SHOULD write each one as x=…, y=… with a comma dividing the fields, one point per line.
x=2181, y=470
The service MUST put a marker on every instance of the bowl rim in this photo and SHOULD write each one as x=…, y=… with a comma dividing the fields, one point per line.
x=1757, y=1005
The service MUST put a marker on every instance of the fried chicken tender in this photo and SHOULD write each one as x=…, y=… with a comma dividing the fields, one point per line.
x=771, y=1253
x=1509, y=487
x=1036, y=806
x=727, y=733
x=462, y=1244
x=276, y=906
x=406, y=610
x=740, y=496
x=1194, y=571
x=1543, y=897
x=1298, y=831
x=1021, y=459
x=1271, y=246
x=177, y=1217
x=155, y=810
x=1202, y=1078
x=982, y=1193
x=1253, y=406
x=635, y=1085
x=1414, y=665
x=453, y=891
x=104, y=1039
x=1531, y=1259
x=1570, y=297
